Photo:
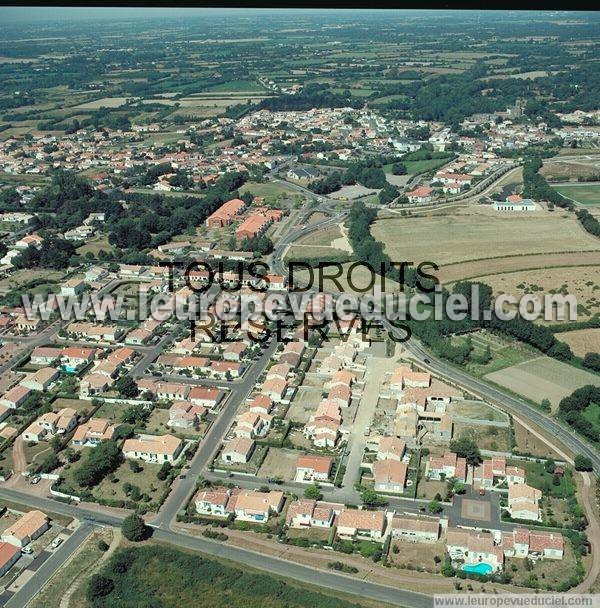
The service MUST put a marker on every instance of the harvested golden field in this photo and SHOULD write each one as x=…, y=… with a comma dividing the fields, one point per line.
x=479, y=268
x=474, y=233
x=581, y=341
x=583, y=282
x=543, y=378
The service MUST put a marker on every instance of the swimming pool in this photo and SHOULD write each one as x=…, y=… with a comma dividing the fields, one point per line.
x=69, y=369
x=480, y=568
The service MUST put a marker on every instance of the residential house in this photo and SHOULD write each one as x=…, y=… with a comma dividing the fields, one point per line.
x=261, y=404
x=41, y=380
x=45, y=355
x=15, y=397
x=251, y=425
x=74, y=357
x=50, y=424
x=185, y=415
x=275, y=389
x=474, y=548
x=391, y=448
x=538, y=544
x=389, y=475
x=421, y=194
x=215, y=501
x=449, y=465
x=257, y=506
x=207, y=396
x=9, y=555
x=523, y=502
x=238, y=450
x=161, y=448
x=306, y=513
x=313, y=468
x=26, y=529
x=416, y=530
x=93, y=432
x=361, y=523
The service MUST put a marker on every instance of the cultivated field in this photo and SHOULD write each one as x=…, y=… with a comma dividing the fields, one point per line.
x=543, y=378
x=105, y=102
x=581, y=341
x=480, y=232
x=511, y=263
x=585, y=194
x=580, y=281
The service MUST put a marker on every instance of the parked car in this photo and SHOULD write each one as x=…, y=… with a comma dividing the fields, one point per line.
x=27, y=550
x=56, y=542
x=35, y=479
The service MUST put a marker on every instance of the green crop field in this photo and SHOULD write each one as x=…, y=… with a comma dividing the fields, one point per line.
x=588, y=194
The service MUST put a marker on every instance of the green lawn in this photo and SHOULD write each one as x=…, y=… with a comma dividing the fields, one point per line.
x=584, y=194
x=592, y=415
x=539, y=478
x=413, y=167
x=267, y=189
x=111, y=487
x=504, y=354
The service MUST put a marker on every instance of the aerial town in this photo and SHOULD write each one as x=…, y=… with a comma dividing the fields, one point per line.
x=363, y=469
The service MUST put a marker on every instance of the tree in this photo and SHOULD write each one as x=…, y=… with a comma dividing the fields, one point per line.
x=550, y=465
x=127, y=387
x=99, y=586
x=399, y=169
x=546, y=405
x=49, y=463
x=134, y=528
x=592, y=360
x=372, y=499
x=164, y=471
x=583, y=463
x=135, y=414
x=103, y=546
x=100, y=461
x=465, y=447
x=313, y=492
x=434, y=506
x=135, y=466
x=123, y=431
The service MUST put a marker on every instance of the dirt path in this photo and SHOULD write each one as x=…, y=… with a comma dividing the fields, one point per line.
x=66, y=598
x=377, y=367
x=593, y=533
x=587, y=498
x=19, y=460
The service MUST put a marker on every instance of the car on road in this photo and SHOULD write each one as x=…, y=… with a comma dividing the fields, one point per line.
x=427, y=360
x=481, y=492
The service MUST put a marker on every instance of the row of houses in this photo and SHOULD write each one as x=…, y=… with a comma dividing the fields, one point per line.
x=421, y=405
x=492, y=473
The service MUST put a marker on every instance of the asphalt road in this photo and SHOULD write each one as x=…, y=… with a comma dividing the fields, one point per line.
x=508, y=402
x=474, y=385
x=238, y=392
x=30, y=589
x=274, y=565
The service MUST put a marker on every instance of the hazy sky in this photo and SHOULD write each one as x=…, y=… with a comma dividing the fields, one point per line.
x=45, y=13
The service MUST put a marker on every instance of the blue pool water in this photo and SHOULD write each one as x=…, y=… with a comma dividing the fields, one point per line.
x=69, y=369
x=481, y=568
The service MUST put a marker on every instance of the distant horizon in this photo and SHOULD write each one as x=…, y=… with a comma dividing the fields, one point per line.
x=37, y=14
